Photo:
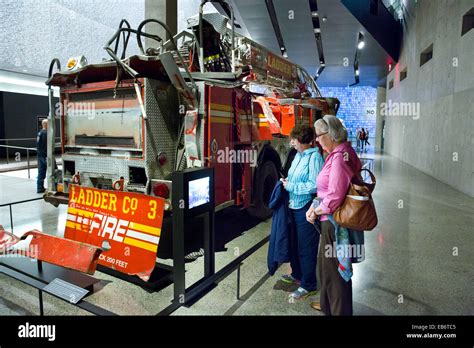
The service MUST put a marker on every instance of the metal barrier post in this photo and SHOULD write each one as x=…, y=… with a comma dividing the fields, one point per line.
x=28, y=161
x=6, y=143
x=238, y=282
x=11, y=217
x=41, y=302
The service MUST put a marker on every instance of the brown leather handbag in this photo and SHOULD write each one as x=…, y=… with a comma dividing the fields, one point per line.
x=357, y=212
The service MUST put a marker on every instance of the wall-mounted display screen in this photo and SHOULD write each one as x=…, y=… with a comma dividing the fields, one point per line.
x=199, y=193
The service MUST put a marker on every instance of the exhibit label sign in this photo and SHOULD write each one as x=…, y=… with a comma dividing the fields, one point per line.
x=126, y=225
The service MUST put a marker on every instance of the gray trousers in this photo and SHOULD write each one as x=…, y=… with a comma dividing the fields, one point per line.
x=335, y=293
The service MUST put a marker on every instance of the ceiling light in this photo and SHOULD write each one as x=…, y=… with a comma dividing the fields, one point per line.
x=314, y=13
x=285, y=54
x=357, y=72
x=317, y=30
x=325, y=19
x=361, y=45
x=282, y=48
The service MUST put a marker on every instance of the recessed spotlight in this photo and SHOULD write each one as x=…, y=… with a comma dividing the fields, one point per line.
x=357, y=72
x=314, y=13
x=322, y=64
x=317, y=30
x=282, y=48
x=361, y=45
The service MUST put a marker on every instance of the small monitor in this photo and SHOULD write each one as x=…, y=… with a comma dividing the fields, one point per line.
x=195, y=188
x=198, y=192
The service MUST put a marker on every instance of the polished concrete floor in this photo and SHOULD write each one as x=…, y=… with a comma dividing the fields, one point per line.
x=418, y=260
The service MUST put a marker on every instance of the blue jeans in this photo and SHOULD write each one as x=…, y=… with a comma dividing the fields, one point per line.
x=42, y=166
x=305, y=249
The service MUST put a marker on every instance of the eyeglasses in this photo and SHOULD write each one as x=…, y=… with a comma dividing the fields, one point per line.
x=319, y=135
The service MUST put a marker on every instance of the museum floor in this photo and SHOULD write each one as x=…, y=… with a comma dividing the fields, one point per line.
x=418, y=260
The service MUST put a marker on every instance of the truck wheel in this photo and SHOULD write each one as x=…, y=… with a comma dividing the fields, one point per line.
x=266, y=178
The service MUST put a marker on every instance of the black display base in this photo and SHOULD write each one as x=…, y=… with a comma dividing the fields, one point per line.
x=48, y=272
x=161, y=277
x=197, y=291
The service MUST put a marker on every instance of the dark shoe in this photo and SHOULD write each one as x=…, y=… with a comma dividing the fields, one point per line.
x=289, y=279
x=41, y=191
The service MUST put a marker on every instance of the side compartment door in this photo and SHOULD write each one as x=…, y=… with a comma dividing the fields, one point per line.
x=220, y=142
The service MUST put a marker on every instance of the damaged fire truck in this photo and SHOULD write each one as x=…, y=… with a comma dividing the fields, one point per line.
x=206, y=97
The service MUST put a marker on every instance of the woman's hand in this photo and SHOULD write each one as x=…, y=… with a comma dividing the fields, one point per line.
x=318, y=211
x=310, y=215
x=285, y=182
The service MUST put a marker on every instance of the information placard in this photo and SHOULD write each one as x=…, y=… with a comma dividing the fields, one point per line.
x=65, y=290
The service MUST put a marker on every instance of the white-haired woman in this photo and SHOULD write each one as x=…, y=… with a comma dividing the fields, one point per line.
x=333, y=182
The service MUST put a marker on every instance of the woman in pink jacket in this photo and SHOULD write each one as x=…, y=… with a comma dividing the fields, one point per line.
x=333, y=182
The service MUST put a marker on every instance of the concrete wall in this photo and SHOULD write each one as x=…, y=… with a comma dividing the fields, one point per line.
x=438, y=141
x=162, y=10
x=33, y=32
x=379, y=123
x=187, y=9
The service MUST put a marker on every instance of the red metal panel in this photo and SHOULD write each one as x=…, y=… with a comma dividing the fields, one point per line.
x=222, y=120
x=128, y=223
x=55, y=250
x=64, y=252
x=244, y=116
x=98, y=86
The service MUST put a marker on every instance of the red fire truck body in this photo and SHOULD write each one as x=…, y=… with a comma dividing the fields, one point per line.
x=128, y=123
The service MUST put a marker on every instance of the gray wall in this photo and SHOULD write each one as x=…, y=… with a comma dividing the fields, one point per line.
x=18, y=119
x=381, y=97
x=444, y=91
x=33, y=32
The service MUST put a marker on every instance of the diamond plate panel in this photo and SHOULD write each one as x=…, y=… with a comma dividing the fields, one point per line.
x=162, y=127
x=108, y=167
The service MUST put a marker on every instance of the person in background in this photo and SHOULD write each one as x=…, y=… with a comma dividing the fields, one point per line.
x=367, y=138
x=301, y=185
x=42, y=152
x=358, y=137
x=362, y=138
x=333, y=182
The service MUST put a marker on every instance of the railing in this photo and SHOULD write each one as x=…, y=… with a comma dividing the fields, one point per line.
x=18, y=202
x=17, y=139
x=28, y=149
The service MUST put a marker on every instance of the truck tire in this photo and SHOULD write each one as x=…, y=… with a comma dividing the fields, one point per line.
x=266, y=178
